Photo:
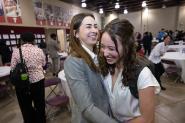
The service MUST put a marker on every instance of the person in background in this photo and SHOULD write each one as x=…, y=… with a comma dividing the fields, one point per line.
x=139, y=49
x=117, y=50
x=5, y=52
x=155, y=57
x=138, y=38
x=31, y=100
x=43, y=46
x=91, y=104
x=161, y=34
x=147, y=42
x=54, y=47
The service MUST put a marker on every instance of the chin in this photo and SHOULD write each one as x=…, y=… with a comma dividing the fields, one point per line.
x=110, y=62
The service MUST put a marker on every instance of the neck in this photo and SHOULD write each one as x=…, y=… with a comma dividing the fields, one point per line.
x=89, y=47
x=119, y=65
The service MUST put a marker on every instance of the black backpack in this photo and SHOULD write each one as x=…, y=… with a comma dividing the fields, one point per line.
x=19, y=75
x=142, y=62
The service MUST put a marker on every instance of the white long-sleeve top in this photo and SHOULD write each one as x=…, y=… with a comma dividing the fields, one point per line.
x=157, y=52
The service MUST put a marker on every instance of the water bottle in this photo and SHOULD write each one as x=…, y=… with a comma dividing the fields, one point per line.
x=181, y=46
x=183, y=50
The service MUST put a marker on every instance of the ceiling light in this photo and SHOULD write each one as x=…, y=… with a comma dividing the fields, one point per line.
x=101, y=11
x=144, y=4
x=117, y=6
x=125, y=11
x=84, y=4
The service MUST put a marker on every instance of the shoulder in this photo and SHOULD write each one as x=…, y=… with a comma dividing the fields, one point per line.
x=160, y=44
x=146, y=79
x=72, y=61
x=15, y=50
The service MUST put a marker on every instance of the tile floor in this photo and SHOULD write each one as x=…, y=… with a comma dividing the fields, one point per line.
x=170, y=106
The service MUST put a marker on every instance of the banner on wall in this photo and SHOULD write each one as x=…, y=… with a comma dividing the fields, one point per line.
x=49, y=14
x=13, y=11
x=39, y=13
x=2, y=17
x=67, y=16
x=58, y=15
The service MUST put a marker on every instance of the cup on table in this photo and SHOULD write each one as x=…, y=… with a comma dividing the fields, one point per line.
x=181, y=46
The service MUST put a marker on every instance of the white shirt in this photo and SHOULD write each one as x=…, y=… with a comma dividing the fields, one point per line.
x=93, y=56
x=123, y=104
x=157, y=51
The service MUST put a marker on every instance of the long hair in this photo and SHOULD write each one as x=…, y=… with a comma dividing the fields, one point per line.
x=121, y=30
x=75, y=47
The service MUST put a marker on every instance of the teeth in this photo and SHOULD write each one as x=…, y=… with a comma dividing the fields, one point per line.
x=93, y=36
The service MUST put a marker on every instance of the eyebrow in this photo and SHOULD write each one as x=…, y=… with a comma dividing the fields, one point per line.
x=109, y=46
x=91, y=24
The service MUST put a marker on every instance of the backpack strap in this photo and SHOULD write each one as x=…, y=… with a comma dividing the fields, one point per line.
x=133, y=83
x=20, y=52
x=142, y=62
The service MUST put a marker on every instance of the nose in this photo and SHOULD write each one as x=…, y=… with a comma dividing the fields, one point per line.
x=105, y=52
x=94, y=29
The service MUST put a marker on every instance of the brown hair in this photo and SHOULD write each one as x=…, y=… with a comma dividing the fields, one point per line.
x=121, y=30
x=75, y=47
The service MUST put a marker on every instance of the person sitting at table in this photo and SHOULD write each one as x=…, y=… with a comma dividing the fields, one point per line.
x=155, y=57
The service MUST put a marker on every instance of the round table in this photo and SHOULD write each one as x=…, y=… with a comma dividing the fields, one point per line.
x=64, y=83
x=178, y=58
x=65, y=86
x=4, y=71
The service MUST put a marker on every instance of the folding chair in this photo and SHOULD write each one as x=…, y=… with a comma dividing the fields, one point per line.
x=171, y=69
x=54, y=99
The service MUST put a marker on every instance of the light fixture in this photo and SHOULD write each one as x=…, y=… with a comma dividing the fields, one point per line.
x=101, y=11
x=84, y=4
x=117, y=6
x=125, y=11
x=144, y=4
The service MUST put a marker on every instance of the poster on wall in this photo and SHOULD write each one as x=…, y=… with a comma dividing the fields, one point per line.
x=67, y=16
x=2, y=18
x=39, y=13
x=58, y=15
x=13, y=11
x=49, y=14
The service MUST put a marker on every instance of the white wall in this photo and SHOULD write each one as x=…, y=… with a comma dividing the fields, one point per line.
x=169, y=18
x=110, y=17
x=162, y=18
x=181, y=18
x=134, y=18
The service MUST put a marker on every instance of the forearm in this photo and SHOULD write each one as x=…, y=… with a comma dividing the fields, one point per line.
x=141, y=119
x=95, y=115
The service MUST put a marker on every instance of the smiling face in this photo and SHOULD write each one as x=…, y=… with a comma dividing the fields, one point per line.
x=108, y=48
x=88, y=32
x=167, y=40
